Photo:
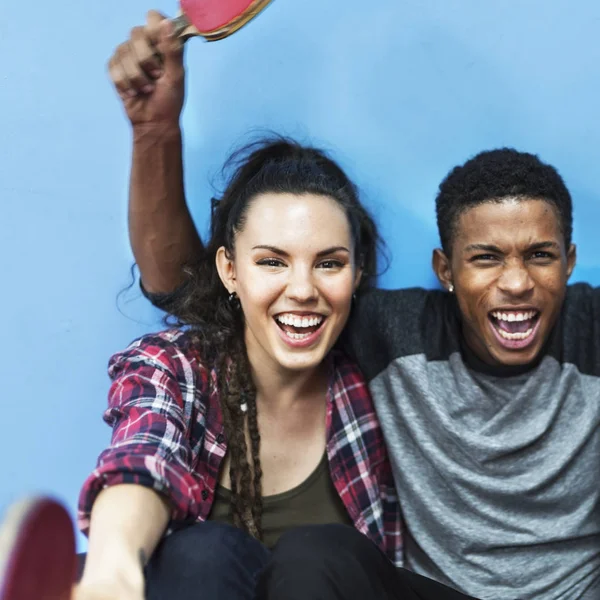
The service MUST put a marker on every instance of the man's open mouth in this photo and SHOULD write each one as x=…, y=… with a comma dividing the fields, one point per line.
x=515, y=325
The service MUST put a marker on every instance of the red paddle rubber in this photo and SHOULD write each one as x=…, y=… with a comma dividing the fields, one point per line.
x=208, y=15
x=37, y=552
x=216, y=19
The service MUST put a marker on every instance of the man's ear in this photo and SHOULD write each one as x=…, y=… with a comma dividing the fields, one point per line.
x=571, y=259
x=441, y=266
x=226, y=269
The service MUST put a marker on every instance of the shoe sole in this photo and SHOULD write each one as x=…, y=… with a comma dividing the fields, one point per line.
x=37, y=552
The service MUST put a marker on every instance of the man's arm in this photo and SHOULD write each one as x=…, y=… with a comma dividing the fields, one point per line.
x=149, y=75
x=161, y=231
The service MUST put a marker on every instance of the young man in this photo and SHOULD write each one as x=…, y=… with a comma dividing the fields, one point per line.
x=488, y=393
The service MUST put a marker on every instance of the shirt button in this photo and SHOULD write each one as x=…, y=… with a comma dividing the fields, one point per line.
x=220, y=438
x=204, y=494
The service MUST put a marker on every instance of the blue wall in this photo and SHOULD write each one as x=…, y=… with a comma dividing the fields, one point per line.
x=400, y=94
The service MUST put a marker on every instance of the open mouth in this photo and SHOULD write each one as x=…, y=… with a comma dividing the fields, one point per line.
x=515, y=328
x=300, y=327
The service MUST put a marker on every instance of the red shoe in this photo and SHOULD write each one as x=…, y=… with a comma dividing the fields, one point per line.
x=37, y=552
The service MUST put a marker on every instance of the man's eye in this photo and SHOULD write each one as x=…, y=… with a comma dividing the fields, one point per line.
x=541, y=254
x=484, y=257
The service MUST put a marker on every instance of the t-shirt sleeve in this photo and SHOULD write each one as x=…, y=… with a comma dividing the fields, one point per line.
x=165, y=301
x=581, y=328
x=150, y=407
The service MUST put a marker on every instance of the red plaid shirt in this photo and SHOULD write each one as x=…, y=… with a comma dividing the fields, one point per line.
x=168, y=435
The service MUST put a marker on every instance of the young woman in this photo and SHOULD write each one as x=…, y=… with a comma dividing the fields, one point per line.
x=245, y=421
x=246, y=458
x=245, y=450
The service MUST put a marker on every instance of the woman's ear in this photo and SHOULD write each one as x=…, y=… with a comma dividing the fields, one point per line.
x=357, y=278
x=226, y=269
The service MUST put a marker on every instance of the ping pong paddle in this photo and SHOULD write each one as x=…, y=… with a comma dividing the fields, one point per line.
x=215, y=19
x=37, y=552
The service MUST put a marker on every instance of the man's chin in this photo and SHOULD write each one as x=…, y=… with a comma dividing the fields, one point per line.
x=515, y=358
x=492, y=351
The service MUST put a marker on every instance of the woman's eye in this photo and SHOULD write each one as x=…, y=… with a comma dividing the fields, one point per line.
x=330, y=264
x=270, y=262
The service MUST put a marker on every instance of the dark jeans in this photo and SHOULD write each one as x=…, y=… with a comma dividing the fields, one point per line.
x=210, y=561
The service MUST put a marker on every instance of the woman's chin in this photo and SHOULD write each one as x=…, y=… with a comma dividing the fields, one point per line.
x=300, y=361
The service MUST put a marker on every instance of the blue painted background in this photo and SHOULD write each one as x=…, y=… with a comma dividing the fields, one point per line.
x=400, y=93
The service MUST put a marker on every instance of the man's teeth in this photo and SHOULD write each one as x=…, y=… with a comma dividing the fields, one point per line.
x=297, y=321
x=515, y=336
x=511, y=316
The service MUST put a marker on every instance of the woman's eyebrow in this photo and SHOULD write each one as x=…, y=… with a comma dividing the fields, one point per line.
x=281, y=252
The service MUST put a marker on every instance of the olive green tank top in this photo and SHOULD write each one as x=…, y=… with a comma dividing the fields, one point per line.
x=315, y=501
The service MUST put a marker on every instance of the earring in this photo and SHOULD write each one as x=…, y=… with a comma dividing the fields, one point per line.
x=234, y=300
x=451, y=288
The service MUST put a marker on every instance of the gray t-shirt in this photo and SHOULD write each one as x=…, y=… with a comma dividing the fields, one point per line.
x=498, y=470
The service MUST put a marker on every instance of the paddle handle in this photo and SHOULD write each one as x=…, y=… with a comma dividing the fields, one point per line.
x=182, y=28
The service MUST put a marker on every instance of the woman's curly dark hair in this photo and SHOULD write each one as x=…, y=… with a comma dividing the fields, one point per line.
x=493, y=176
x=216, y=322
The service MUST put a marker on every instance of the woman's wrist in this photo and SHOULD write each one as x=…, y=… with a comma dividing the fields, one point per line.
x=115, y=563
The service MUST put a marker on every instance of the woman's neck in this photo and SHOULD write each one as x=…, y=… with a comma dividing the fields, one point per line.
x=281, y=388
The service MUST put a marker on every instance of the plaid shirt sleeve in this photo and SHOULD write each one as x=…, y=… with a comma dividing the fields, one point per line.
x=360, y=463
x=150, y=408
x=392, y=516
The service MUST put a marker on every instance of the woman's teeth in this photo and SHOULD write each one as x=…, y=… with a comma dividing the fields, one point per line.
x=290, y=324
x=298, y=321
x=296, y=336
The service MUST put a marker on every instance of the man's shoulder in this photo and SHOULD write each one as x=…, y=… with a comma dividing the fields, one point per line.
x=384, y=303
x=392, y=324
x=582, y=305
x=583, y=293
x=397, y=296
x=402, y=309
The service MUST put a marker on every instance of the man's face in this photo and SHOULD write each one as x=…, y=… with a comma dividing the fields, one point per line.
x=509, y=268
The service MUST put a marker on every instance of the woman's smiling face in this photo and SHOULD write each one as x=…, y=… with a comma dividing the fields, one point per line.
x=295, y=272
